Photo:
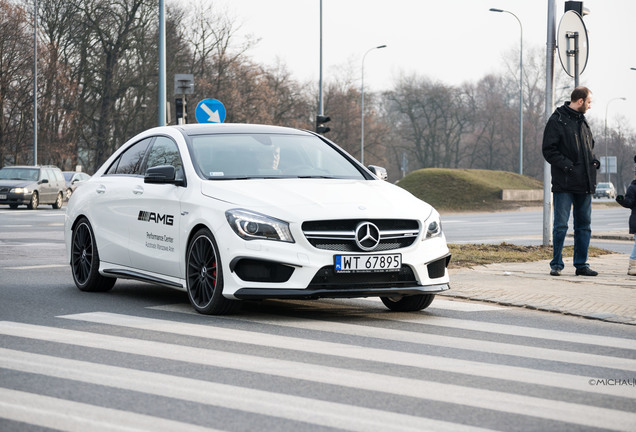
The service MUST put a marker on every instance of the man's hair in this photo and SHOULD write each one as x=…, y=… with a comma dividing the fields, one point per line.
x=579, y=93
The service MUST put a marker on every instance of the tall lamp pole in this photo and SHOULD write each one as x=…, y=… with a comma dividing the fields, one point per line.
x=607, y=167
x=35, y=83
x=162, y=64
x=362, y=104
x=520, y=86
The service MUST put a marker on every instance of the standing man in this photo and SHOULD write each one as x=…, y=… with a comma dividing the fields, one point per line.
x=568, y=146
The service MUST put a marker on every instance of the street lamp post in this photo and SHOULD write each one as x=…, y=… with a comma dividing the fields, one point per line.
x=607, y=167
x=362, y=104
x=520, y=86
x=35, y=83
x=162, y=64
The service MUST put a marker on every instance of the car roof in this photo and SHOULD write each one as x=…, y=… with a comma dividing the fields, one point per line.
x=21, y=166
x=220, y=128
x=30, y=166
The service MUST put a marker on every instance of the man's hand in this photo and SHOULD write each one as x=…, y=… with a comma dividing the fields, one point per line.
x=596, y=163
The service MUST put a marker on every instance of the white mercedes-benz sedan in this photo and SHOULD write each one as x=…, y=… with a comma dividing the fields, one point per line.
x=231, y=212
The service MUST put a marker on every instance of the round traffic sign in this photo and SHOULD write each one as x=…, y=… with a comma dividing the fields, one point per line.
x=210, y=111
x=572, y=34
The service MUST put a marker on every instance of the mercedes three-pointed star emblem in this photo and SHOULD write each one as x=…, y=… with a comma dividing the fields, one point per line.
x=367, y=236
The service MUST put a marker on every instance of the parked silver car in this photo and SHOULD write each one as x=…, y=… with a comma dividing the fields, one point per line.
x=32, y=186
x=605, y=190
x=73, y=179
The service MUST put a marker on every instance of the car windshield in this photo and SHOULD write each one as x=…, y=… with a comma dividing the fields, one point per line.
x=243, y=156
x=603, y=186
x=68, y=175
x=19, y=174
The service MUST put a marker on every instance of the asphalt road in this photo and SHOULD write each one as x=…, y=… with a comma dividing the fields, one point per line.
x=138, y=357
x=526, y=227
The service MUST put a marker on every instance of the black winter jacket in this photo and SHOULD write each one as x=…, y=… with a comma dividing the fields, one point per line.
x=568, y=147
x=629, y=201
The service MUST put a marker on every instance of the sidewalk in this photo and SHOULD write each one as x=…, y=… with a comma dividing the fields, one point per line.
x=610, y=296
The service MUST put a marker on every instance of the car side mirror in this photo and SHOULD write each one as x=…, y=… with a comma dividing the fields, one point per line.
x=163, y=174
x=379, y=172
x=44, y=181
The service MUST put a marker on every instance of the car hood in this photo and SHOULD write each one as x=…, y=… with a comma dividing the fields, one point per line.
x=16, y=183
x=305, y=199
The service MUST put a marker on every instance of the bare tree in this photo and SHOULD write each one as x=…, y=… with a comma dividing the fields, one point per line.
x=16, y=84
x=431, y=119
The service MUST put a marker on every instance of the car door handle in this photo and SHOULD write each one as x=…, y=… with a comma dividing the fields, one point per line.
x=138, y=190
x=100, y=189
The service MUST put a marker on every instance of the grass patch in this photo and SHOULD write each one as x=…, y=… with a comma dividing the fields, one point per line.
x=466, y=189
x=470, y=255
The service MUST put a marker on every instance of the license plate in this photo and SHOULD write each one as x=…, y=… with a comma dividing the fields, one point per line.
x=3, y=197
x=367, y=263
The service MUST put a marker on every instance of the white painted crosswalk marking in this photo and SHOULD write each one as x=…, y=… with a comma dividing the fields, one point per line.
x=482, y=326
x=577, y=414
x=301, y=409
x=65, y=415
x=344, y=350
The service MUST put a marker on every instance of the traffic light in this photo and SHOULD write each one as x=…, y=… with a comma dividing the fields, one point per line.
x=178, y=104
x=320, y=121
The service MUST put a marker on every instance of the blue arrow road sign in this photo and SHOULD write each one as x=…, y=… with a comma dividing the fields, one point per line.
x=210, y=111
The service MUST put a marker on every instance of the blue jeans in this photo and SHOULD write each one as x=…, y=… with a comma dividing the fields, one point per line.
x=582, y=215
x=633, y=254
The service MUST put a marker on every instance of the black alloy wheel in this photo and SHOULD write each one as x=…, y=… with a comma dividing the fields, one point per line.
x=204, y=276
x=410, y=303
x=85, y=260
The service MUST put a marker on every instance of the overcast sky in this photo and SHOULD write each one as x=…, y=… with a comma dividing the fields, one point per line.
x=453, y=41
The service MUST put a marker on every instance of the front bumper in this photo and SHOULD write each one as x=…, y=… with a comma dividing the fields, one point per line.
x=14, y=198
x=292, y=272
x=311, y=294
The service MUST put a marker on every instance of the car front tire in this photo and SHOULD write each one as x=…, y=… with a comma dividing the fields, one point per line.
x=411, y=303
x=35, y=201
x=58, y=201
x=204, y=276
x=85, y=260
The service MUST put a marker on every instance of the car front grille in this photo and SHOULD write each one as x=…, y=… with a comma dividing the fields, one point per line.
x=4, y=189
x=327, y=278
x=340, y=235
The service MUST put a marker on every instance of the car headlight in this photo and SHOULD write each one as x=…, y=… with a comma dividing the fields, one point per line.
x=433, y=226
x=20, y=190
x=255, y=226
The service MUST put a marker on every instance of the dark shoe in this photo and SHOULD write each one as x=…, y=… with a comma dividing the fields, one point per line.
x=555, y=272
x=585, y=271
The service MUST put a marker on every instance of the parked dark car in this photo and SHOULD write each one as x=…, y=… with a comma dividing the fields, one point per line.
x=73, y=179
x=32, y=186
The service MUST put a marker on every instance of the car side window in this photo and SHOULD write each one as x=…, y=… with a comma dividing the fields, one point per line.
x=59, y=176
x=130, y=161
x=164, y=151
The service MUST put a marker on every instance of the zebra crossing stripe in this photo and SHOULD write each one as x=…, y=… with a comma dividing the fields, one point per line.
x=579, y=414
x=65, y=415
x=463, y=324
x=301, y=409
x=432, y=339
x=345, y=350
